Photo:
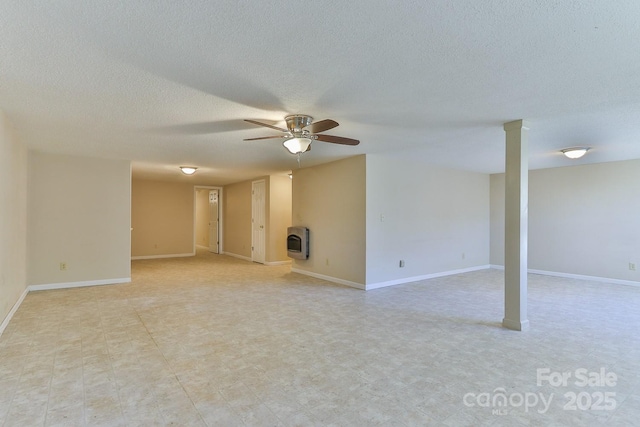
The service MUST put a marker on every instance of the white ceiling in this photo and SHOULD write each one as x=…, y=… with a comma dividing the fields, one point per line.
x=168, y=83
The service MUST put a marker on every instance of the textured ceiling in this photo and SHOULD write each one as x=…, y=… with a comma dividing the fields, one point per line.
x=168, y=83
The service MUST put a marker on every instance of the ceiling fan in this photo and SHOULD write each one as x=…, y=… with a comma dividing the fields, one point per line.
x=301, y=131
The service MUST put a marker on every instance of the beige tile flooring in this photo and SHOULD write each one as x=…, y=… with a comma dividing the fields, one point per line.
x=213, y=340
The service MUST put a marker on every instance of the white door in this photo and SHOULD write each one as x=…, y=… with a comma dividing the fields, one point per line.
x=214, y=244
x=258, y=222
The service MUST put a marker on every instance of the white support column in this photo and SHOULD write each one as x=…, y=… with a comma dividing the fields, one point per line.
x=516, y=222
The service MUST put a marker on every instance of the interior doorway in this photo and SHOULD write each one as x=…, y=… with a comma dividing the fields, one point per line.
x=207, y=229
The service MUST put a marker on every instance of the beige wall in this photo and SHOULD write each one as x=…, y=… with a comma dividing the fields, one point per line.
x=162, y=215
x=279, y=210
x=237, y=219
x=330, y=200
x=365, y=214
x=202, y=217
x=583, y=220
x=13, y=218
x=79, y=213
x=434, y=219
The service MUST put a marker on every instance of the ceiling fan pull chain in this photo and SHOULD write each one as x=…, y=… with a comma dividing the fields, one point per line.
x=298, y=156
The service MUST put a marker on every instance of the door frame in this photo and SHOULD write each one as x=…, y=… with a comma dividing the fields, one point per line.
x=220, y=216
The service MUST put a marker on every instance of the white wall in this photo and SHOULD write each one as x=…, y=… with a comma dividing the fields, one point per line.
x=78, y=212
x=583, y=220
x=435, y=219
x=13, y=218
x=497, y=186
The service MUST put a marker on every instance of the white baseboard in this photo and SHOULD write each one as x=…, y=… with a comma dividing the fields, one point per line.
x=251, y=260
x=329, y=278
x=13, y=310
x=378, y=285
x=133, y=258
x=78, y=284
x=583, y=277
x=237, y=256
x=576, y=276
x=287, y=262
x=50, y=286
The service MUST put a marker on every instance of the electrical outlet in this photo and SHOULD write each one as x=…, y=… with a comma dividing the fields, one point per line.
x=63, y=266
x=632, y=266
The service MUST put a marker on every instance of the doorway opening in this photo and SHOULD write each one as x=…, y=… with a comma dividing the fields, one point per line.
x=207, y=223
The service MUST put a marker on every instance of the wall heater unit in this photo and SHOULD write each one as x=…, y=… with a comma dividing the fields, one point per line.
x=298, y=242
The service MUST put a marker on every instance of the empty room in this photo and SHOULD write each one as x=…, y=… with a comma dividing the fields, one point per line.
x=324, y=214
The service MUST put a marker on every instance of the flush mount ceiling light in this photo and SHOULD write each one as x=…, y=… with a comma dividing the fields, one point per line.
x=575, y=152
x=297, y=145
x=188, y=170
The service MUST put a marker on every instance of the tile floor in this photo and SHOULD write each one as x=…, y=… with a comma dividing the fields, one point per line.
x=216, y=341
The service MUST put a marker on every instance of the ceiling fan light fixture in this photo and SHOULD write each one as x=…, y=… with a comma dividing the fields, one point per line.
x=297, y=145
x=188, y=170
x=302, y=131
x=575, y=152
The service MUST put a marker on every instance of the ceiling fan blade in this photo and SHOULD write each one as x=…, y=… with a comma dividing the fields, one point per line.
x=337, y=139
x=265, y=137
x=266, y=125
x=321, y=126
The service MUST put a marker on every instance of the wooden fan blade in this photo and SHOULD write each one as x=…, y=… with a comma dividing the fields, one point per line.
x=337, y=139
x=321, y=126
x=266, y=125
x=266, y=137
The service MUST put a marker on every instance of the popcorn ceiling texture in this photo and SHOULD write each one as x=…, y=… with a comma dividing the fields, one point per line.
x=168, y=83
